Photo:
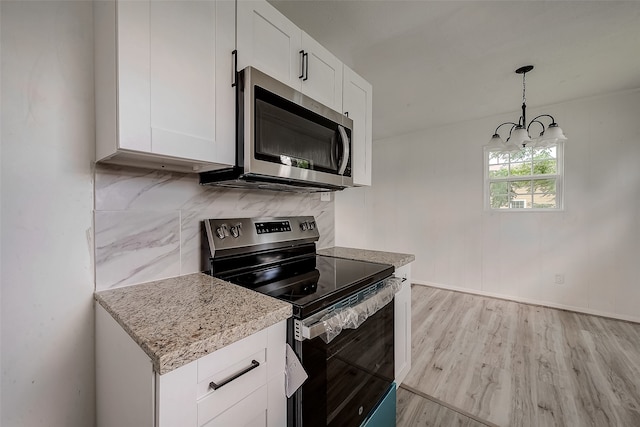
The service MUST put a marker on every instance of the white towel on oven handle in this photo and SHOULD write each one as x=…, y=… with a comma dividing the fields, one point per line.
x=294, y=372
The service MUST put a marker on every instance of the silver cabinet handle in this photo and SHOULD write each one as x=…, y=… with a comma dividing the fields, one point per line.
x=254, y=365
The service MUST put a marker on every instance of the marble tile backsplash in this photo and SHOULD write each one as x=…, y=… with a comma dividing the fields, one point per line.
x=148, y=223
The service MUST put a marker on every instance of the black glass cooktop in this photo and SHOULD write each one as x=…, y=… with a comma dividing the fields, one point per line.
x=313, y=282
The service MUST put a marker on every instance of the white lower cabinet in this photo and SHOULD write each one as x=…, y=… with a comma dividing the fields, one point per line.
x=402, y=325
x=131, y=394
x=252, y=411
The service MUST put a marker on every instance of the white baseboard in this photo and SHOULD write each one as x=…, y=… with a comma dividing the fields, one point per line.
x=529, y=301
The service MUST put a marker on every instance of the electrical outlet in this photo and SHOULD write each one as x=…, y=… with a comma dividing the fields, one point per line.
x=559, y=280
x=325, y=196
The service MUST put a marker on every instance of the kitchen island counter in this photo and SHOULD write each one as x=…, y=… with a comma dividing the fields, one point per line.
x=178, y=320
x=394, y=258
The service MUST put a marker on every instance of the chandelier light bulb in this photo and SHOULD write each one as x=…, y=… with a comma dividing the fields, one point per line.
x=539, y=142
x=554, y=131
x=511, y=146
x=496, y=141
x=520, y=136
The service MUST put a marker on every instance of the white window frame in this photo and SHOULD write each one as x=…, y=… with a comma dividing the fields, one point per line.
x=558, y=176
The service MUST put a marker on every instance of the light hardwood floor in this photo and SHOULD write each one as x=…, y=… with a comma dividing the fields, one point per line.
x=416, y=409
x=512, y=364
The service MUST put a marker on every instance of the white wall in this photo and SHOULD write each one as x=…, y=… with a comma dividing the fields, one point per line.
x=47, y=279
x=1, y=234
x=427, y=195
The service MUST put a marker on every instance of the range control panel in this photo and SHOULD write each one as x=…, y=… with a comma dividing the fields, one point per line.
x=235, y=233
x=272, y=227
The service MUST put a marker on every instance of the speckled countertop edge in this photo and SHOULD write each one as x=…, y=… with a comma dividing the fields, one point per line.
x=396, y=259
x=178, y=320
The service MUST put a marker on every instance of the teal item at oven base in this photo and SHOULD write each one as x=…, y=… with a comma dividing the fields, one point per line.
x=384, y=414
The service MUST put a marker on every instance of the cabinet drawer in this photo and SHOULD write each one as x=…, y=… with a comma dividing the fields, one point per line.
x=237, y=359
x=249, y=412
x=231, y=357
x=213, y=402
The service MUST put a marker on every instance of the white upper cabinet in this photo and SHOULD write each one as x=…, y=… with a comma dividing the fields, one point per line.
x=164, y=71
x=358, y=105
x=321, y=74
x=270, y=42
x=163, y=83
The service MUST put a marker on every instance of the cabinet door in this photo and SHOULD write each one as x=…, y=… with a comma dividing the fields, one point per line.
x=258, y=409
x=183, y=91
x=322, y=78
x=174, y=79
x=402, y=325
x=249, y=412
x=124, y=377
x=132, y=79
x=225, y=119
x=176, y=397
x=358, y=104
x=268, y=41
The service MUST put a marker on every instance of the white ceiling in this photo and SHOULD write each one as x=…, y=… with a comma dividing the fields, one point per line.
x=439, y=62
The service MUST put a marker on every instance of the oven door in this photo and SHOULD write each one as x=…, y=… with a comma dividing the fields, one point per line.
x=290, y=136
x=347, y=376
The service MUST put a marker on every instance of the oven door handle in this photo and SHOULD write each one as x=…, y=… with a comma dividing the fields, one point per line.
x=330, y=324
x=309, y=332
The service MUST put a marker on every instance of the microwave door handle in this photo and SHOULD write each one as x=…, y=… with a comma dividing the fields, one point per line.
x=345, y=150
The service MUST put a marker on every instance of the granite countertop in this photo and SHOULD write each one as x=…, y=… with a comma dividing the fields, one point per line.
x=176, y=321
x=396, y=259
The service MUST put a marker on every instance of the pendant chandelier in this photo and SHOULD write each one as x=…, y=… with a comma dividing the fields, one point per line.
x=519, y=136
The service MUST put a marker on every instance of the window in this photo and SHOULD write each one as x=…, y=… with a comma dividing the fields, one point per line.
x=530, y=179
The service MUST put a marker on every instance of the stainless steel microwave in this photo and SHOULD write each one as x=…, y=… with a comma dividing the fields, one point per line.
x=285, y=140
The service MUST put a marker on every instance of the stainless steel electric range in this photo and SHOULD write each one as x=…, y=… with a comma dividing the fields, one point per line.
x=342, y=324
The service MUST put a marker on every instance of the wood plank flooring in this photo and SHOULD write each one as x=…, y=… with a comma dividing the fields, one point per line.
x=511, y=364
x=417, y=410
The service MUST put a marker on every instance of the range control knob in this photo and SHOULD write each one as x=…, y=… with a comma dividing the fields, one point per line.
x=235, y=231
x=312, y=225
x=220, y=232
x=304, y=226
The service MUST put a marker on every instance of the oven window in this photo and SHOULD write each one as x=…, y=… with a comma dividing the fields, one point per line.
x=288, y=134
x=348, y=376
